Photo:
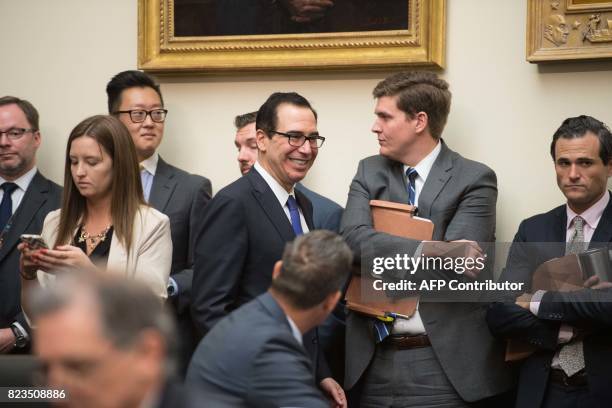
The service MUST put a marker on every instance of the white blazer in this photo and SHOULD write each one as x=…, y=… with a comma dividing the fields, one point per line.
x=150, y=256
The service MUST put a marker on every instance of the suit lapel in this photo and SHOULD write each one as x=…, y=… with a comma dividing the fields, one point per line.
x=306, y=206
x=437, y=178
x=603, y=232
x=270, y=205
x=34, y=197
x=163, y=186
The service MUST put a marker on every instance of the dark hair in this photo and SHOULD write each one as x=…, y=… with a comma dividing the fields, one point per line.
x=241, y=121
x=26, y=107
x=126, y=308
x=315, y=265
x=125, y=80
x=127, y=194
x=419, y=91
x=578, y=127
x=267, y=117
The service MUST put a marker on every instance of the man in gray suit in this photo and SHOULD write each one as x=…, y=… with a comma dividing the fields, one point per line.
x=26, y=197
x=443, y=355
x=326, y=214
x=136, y=100
x=254, y=356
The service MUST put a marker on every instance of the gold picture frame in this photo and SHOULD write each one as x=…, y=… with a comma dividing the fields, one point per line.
x=159, y=50
x=569, y=30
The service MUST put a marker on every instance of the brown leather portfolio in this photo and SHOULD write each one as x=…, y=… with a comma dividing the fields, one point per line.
x=395, y=219
x=559, y=274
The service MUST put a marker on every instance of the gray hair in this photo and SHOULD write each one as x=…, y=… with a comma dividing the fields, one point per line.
x=126, y=308
x=315, y=265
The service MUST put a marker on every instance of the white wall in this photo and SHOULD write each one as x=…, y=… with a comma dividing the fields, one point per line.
x=60, y=54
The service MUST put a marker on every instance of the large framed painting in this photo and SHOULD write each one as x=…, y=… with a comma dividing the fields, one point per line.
x=210, y=36
x=565, y=30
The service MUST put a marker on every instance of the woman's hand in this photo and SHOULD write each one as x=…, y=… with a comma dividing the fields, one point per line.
x=63, y=256
x=28, y=264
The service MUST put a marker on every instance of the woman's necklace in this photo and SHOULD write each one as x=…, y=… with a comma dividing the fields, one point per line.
x=93, y=240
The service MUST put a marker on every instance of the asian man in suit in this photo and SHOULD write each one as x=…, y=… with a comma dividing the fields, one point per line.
x=272, y=368
x=572, y=331
x=422, y=360
x=26, y=197
x=247, y=224
x=136, y=100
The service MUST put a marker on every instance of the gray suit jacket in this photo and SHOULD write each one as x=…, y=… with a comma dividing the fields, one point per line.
x=251, y=359
x=181, y=196
x=459, y=196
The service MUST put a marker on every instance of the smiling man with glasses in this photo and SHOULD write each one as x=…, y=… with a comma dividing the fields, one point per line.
x=136, y=100
x=26, y=197
x=247, y=224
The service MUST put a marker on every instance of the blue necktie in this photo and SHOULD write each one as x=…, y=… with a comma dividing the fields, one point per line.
x=412, y=174
x=294, y=213
x=6, y=206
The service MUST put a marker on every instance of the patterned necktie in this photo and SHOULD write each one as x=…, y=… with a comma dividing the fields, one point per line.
x=294, y=213
x=6, y=206
x=571, y=355
x=411, y=174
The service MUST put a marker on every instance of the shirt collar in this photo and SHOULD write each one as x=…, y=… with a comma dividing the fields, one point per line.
x=591, y=215
x=150, y=164
x=24, y=181
x=424, y=166
x=281, y=194
x=295, y=331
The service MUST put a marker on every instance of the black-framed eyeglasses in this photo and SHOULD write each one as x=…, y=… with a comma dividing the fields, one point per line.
x=15, y=133
x=140, y=115
x=297, y=139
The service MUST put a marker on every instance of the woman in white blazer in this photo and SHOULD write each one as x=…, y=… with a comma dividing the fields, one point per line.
x=104, y=222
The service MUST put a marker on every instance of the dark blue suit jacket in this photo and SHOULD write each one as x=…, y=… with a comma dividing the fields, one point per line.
x=589, y=309
x=326, y=214
x=250, y=358
x=242, y=234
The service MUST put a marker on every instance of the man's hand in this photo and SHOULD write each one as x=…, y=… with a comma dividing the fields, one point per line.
x=334, y=391
x=305, y=11
x=524, y=300
x=7, y=340
x=595, y=283
x=461, y=248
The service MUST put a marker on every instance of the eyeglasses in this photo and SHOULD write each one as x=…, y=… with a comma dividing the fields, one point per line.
x=140, y=115
x=15, y=133
x=297, y=139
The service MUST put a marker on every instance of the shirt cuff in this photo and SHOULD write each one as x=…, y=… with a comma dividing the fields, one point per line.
x=173, y=288
x=534, y=305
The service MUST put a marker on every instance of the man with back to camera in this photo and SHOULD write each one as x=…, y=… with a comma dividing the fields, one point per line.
x=26, y=197
x=246, y=225
x=423, y=360
x=136, y=100
x=326, y=213
x=107, y=342
x=572, y=331
x=272, y=368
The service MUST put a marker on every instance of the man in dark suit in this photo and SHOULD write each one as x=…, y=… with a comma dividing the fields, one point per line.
x=572, y=366
x=107, y=342
x=247, y=224
x=26, y=197
x=254, y=356
x=326, y=213
x=424, y=360
x=137, y=101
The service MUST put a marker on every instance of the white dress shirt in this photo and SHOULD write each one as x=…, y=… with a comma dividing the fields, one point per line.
x=295, y=331
x=23, y=183
x=414, y=325
x=281, y=194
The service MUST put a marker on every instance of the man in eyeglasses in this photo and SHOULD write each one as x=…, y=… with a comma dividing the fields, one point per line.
x=247, y=224
x=26, y=197
x=136, y=100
